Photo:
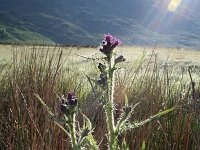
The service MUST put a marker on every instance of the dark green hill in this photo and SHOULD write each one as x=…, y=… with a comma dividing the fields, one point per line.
x=85, y=22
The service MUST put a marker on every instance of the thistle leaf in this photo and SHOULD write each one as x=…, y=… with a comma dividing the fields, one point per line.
x=90, y=81
x=51, y=114
x=89, y=143
x=136, y=125
x=45, y=106
x=87, y=122
x=128, y=110
x=87, y=129
x=62, y=128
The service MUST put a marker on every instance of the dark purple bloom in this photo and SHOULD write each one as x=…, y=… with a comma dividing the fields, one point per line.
x=108, y=44
x=62, y=106
x=72, y=100
x=117, y=42
x=108, y=37
x=68, y=105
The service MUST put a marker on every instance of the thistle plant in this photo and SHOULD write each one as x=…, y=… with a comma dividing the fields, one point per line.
x=107, y=83
x=82, y=137
x=68, y=108
x=107, y=78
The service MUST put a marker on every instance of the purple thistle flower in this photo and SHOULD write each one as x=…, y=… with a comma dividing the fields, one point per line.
x=72, y=100
x=108, y=37
x=62, y=106
x=117, y=42
x=108, y=44
x=68, y=105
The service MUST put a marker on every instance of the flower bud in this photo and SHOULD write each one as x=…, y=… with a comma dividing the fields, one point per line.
x=103, y=79
x=64, y=109
x=72, y=100
x=102, y=68
x=119, y=59
x=68, y=105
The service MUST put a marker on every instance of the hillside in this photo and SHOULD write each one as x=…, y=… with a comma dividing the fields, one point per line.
x=84, y=22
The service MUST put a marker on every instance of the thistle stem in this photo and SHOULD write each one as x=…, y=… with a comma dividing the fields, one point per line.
x=110, y=105
x=73, y=130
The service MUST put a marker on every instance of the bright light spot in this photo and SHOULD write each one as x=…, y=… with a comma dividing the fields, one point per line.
x=173, y=5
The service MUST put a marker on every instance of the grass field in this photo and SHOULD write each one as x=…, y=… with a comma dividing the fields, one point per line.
x=158, y=78
x=172, y=55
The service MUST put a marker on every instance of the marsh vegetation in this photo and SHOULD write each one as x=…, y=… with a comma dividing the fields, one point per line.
x=158, y=78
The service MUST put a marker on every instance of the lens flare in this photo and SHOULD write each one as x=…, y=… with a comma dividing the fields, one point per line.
x=173, y=5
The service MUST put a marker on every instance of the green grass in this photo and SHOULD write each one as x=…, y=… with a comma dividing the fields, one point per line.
x=17, y=35
x=156, y=79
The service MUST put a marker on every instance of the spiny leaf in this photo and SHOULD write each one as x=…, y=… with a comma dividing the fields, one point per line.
x=87, y=122
x=91, y=142
x=90, y=81
x=51, y=114
x=136, y=125
x=87, y=129
x=62, y=128
x=45, y=106
x=125, y=116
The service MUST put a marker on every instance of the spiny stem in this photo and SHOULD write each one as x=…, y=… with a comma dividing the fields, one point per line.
x=110, y=105
x=73, y=130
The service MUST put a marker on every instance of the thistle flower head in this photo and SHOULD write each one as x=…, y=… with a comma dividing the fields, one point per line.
x=62, y=106
x=68, y=105
x=116, y=42
x=108, y=37
x=102, y=68
x=108, y=44
x=64, y=109
x=102, y=80
x=71, y=98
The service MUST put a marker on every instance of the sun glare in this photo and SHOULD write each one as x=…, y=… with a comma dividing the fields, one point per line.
x=173, y=5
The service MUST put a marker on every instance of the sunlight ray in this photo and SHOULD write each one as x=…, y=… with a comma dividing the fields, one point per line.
x=173, y=5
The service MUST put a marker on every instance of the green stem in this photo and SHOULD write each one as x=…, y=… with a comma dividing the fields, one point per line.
x=110, y=105
x=111, y=127
x=73, y=131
